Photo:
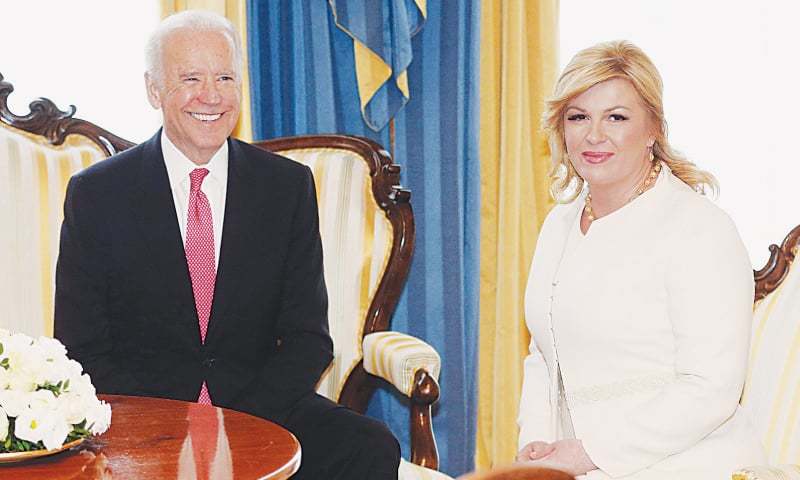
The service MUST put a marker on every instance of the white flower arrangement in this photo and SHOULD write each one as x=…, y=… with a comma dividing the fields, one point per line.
x=45, y=398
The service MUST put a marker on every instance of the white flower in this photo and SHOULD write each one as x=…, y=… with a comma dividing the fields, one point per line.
x=20, y=381
x=14, y=402
x=56, y=435
x=74, y=407
x=3, y=423
x=31, y=425
x=16, y=344
x=46, y=392
x=72, y=369
x=82, y=385
x=98, y=417
x=45, y=426
x=52, y=348
x=42, y=400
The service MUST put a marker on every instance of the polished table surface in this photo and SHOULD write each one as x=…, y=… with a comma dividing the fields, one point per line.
x=153, y=438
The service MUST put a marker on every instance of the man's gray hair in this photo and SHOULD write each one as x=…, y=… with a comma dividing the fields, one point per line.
x=193, y=20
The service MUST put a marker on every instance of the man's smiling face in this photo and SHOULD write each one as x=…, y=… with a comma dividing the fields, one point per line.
x=200, y=92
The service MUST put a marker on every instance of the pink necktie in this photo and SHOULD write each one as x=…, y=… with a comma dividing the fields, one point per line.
x=200, y=256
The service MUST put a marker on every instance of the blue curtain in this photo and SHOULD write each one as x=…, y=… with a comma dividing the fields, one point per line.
x=303, y=81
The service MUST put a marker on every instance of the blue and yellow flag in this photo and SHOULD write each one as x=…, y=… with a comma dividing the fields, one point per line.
x=381, y=31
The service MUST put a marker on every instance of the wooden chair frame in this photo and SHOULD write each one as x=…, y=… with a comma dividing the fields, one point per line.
x=780, y=260
x=47, y=120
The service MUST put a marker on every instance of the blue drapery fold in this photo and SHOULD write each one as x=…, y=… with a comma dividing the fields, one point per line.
x=303, y=80
x=385, y=29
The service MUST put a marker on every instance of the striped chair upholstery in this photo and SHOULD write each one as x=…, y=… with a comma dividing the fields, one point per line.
x=33, y=179
x=39, y=153
x=772, y=388
x=356, y=241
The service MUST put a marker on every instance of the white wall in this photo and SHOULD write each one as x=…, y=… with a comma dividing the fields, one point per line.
x=732, y=94
x=87, y=53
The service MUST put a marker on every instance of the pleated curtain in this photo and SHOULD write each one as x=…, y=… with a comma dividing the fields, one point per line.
x=518, y=62
x=303, y=82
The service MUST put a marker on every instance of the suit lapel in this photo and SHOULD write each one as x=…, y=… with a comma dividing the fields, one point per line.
x=155, y=212
x=236, y=235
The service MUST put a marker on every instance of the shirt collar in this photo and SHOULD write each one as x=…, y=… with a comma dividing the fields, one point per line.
x=179, y=166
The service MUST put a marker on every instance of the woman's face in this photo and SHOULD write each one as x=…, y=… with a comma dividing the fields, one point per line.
x=608, y=132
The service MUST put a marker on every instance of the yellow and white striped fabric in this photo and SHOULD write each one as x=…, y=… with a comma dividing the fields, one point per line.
x=356, y=241
x=396, y=357
x=33, y=180
x=772, y=389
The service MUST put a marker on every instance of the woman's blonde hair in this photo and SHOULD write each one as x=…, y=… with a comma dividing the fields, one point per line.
x=604, y=61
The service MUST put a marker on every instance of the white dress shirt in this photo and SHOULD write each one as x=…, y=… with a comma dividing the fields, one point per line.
x=214, y=185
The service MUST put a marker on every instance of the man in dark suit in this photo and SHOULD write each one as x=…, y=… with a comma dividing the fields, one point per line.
x=191, y=265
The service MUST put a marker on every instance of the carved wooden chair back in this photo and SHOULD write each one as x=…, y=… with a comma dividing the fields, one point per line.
x=772, y=388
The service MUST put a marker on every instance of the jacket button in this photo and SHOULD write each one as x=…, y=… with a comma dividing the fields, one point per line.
x=209, y=362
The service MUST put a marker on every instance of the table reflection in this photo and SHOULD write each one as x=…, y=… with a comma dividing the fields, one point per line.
x=95, y=468
x=206, y=452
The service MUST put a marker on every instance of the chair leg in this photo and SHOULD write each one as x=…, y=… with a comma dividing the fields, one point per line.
x=423, y=444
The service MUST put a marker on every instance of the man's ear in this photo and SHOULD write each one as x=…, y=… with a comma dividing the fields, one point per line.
x=153, y=93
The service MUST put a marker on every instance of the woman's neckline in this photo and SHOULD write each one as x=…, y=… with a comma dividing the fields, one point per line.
x=629, y=206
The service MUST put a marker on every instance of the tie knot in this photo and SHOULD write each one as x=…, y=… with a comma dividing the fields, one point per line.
x=196, y=178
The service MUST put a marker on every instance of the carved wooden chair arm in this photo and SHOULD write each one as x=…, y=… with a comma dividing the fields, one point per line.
x=412, y=366
x=396, y=357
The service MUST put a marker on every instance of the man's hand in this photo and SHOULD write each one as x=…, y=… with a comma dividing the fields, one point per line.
x=567, y=456
x=534, y=451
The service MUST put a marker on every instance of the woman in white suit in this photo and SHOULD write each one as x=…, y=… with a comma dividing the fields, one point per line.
x=639, y=299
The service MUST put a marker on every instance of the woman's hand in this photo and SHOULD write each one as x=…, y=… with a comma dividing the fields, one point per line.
x=567, y=456
x=534, y=451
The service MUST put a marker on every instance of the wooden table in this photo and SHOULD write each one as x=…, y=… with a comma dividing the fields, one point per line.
x=153, y=438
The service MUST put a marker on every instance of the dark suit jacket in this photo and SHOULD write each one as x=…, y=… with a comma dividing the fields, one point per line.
x=124, y=305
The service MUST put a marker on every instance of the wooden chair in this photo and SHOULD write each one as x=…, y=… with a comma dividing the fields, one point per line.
x=366, y=224
x=367, y=230
x=772, y=388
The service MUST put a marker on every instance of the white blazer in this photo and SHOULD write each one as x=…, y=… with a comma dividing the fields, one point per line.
x=649, y=316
